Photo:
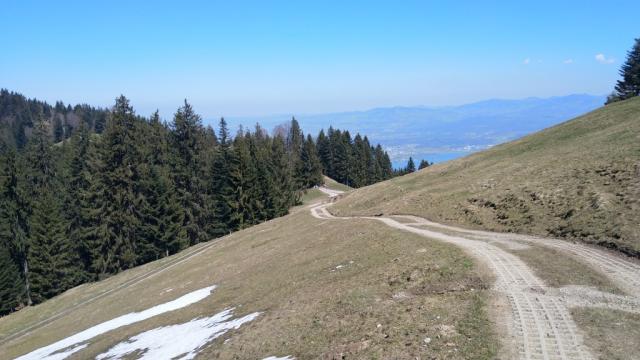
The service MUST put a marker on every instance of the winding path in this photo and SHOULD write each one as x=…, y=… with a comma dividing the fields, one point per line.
x=540, y=323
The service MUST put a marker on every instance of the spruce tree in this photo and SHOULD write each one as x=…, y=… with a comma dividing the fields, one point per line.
x=11, y=286
x=341, y=157
x=387, y=168
x=187, y=137
x=162, y=231
x=411, y=166
x=49, y=253
x=311, y=169
x=370, y=163
x=53, y=260
x=246, y=178
x=119, y=198
x=294, y=142
x=325, y=152
x=358, y=167
x=58, y=130
x=261, y=194
x=13, y=236
x=423, y=164
x=223, y=185
x=629, y=85
x=282, y=187
x=78, y=184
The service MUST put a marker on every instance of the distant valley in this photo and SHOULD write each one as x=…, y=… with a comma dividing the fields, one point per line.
x=441, y=133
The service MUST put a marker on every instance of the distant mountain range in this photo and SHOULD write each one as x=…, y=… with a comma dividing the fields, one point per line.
x=441, y=133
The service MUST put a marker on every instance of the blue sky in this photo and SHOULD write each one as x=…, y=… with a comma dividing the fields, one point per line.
x=265, y=57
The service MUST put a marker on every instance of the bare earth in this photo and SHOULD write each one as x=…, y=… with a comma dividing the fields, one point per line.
x=539, y=322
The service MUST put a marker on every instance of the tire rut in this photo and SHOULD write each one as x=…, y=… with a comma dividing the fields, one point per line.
x=542, y=327
x=622, y=270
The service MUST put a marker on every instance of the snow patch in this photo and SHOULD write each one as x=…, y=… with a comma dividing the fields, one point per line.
x=279, y=358
x=341, y=266
x=72, y=344
x=181, y=341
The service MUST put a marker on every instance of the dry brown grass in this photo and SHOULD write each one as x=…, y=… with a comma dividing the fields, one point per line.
x=558, y=269
x=286, y=268
x=611, y=334
x=579, y=179
x=332, y=184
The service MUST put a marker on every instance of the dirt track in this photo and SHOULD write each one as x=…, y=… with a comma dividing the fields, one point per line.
x=539, y=323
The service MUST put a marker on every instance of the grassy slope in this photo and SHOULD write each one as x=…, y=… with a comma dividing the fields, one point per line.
x=579, y=179
x=286, y=268
x=334, y=185
x=614, y=335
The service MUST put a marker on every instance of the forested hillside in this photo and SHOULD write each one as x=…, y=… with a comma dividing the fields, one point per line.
x=101, y=202
x=19, y=115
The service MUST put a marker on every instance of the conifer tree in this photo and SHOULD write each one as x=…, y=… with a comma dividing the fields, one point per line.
x=385, y=164
x=162, y=231
x=223, y=184
x=311, y=169
x=325, y=152
x=369, y=162
x=629, y=85
x=53, y=260
x=411, y=166
x=282, y=188
x=58, y=130
x=13, y=236
x=85, y=182
x=294, y=142
x=245, y=174
x=341, y=157
x=11, y=286
x=49, y=251
x=119, y=200
x=187, y=138
x=261, y=194
x=423, y=164
x=358, y=166
x=78, y=184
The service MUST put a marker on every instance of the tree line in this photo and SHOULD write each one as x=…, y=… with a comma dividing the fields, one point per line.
x=99, y=202
x=18, y=116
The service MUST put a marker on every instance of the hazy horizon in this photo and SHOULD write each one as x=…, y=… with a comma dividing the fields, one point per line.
x=255, y=59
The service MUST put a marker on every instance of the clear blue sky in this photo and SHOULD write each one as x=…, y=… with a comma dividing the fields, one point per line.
x=265, y=57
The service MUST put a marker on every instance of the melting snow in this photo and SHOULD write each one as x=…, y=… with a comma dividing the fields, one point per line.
x=72, y=344
x=181, y=341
